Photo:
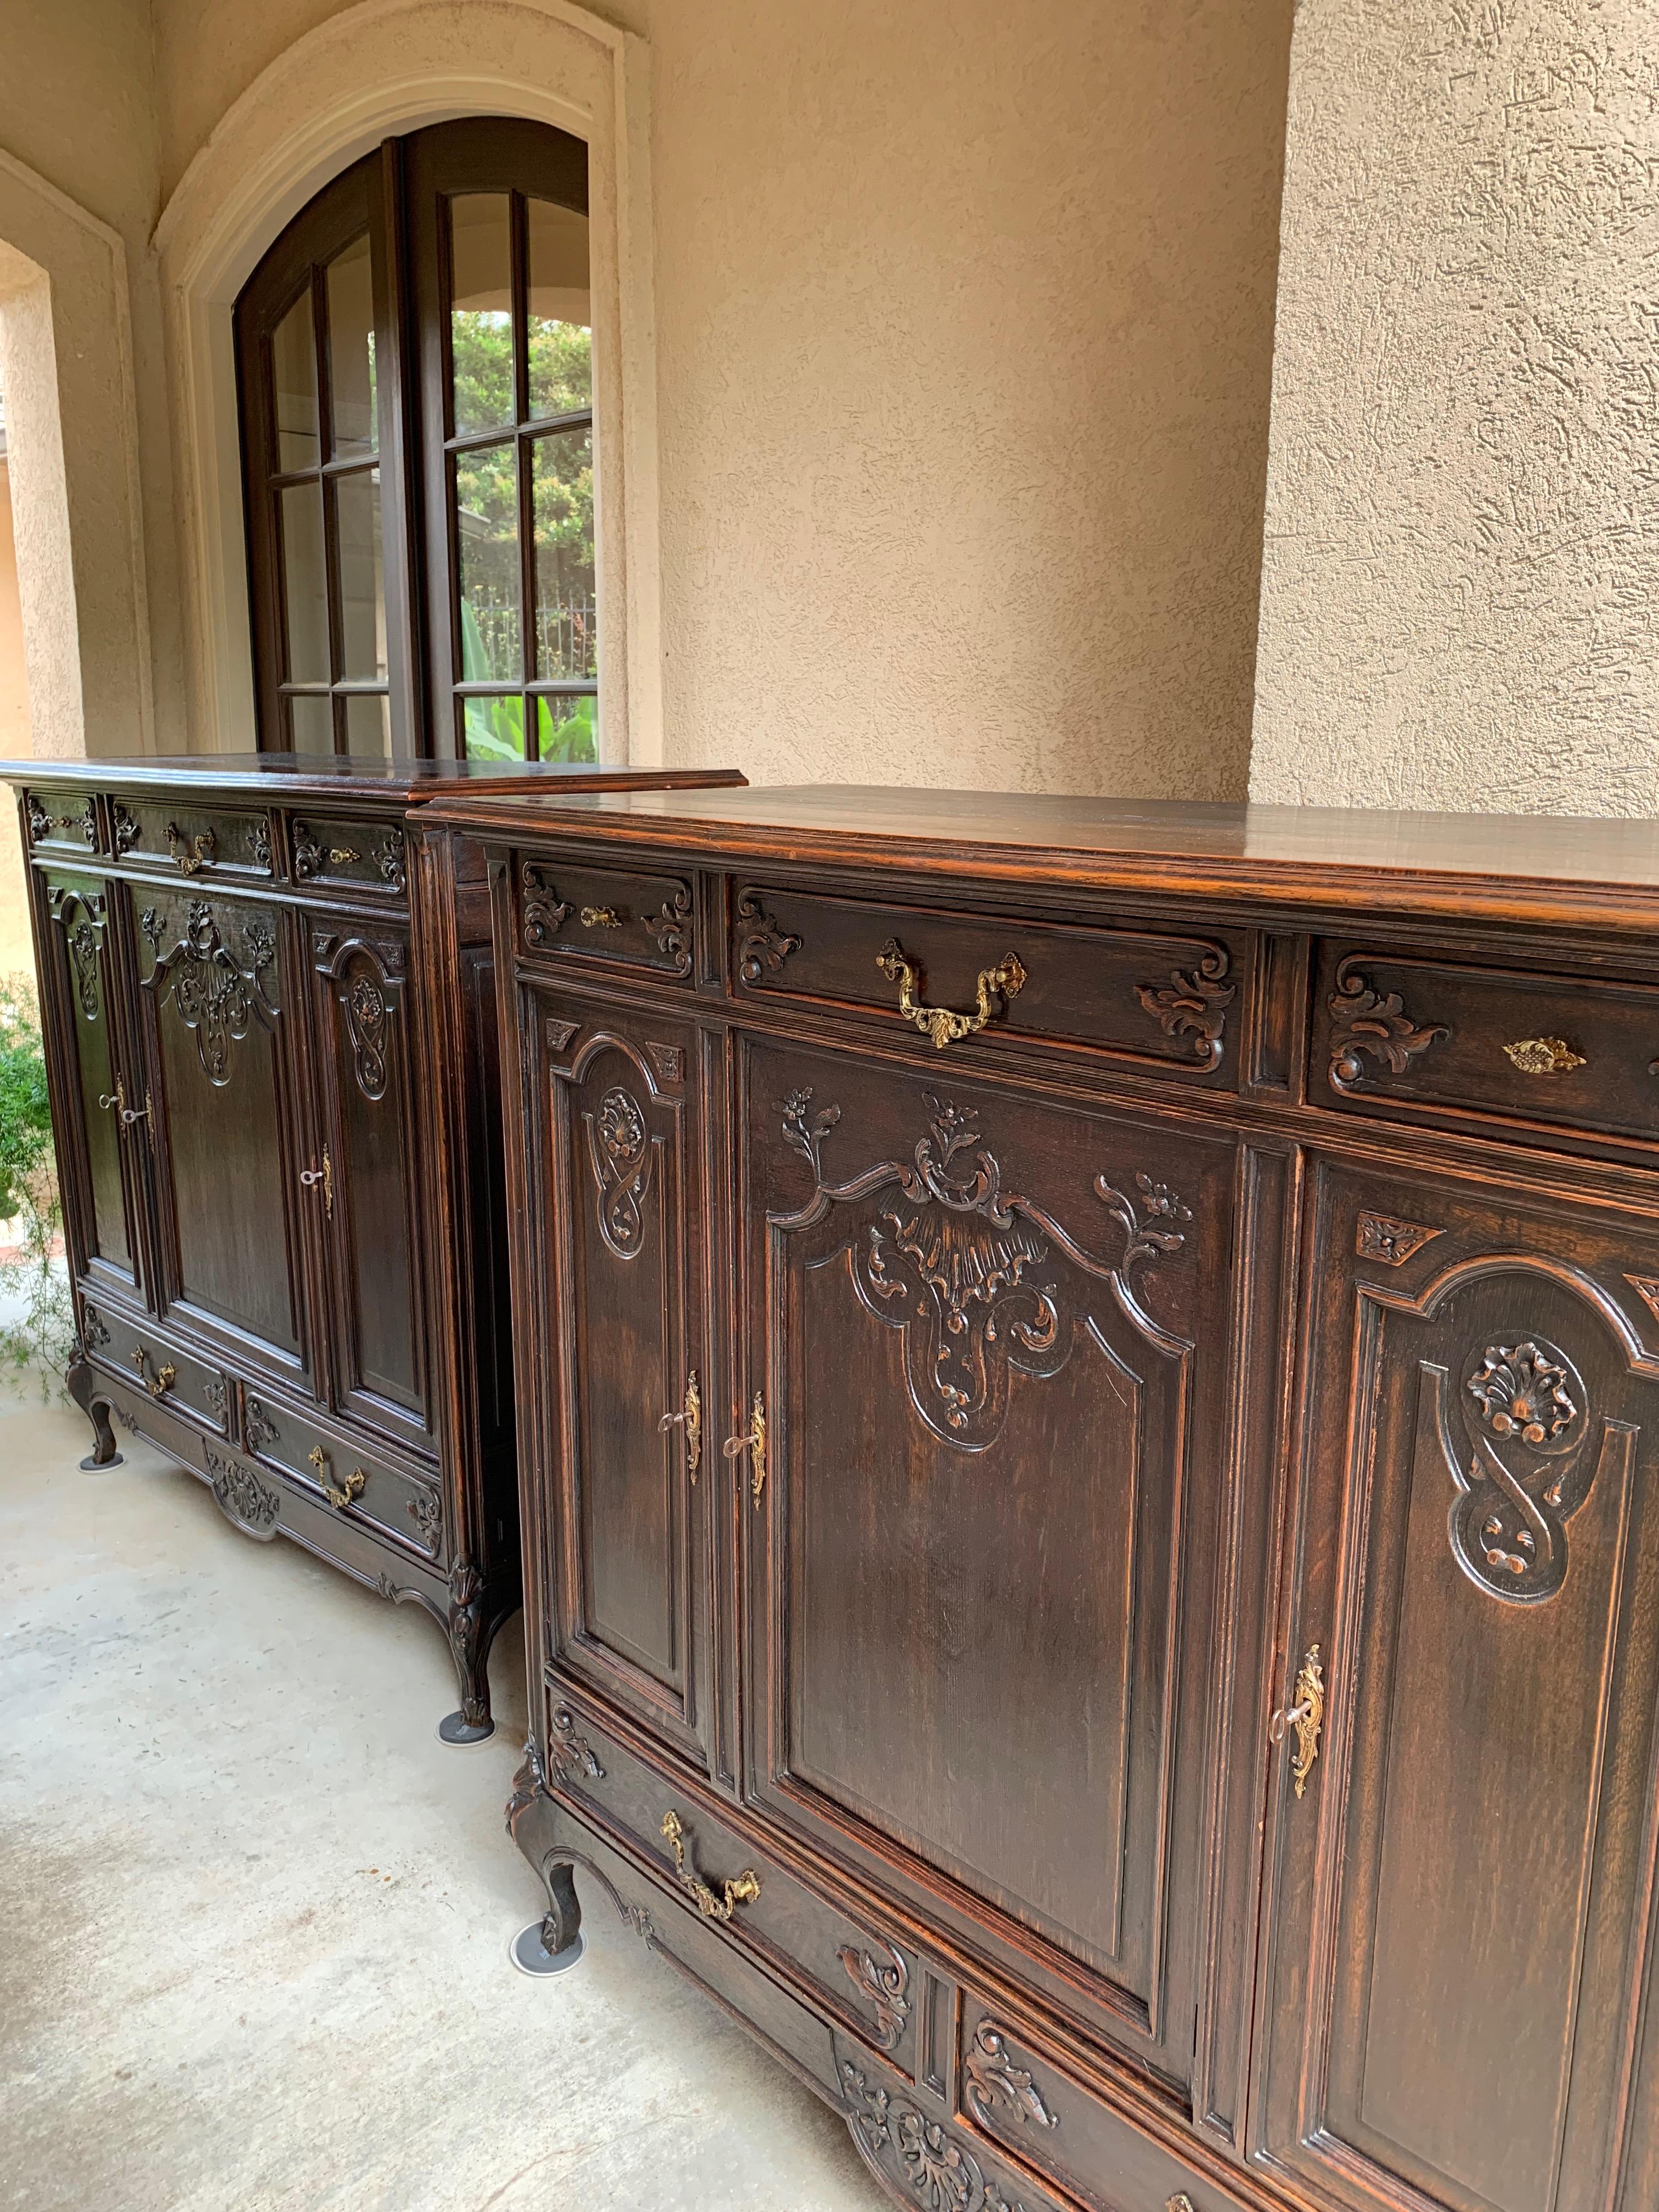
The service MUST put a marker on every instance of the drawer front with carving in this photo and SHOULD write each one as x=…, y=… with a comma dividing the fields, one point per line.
x=186, y=1386
x=1399, y=1035
x=328, y=851
x=63, y=822
x=610, y=915
x=196, y=841
x=852, y=1970
x=1171, y=1003
x=335, y=1469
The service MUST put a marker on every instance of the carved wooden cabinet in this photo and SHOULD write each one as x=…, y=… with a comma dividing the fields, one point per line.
x=1089, y=1392
x=270, y=1011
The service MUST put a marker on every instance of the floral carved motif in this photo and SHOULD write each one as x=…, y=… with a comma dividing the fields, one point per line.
x=669, y=929
x=528, y=1783
x=258, y=841
x=762, y=945
x=85, y=942
x=1392, y=1242
x=244, y=1496
x=307, y=852
x=125, y=827
x=390, y=860
x=569, y=1753
x=93, y=1334
x=1193, y=1004
x=216, y=1391
x=1374, y=1025
x=992, y=2078
x=883, y=1984
x=542, y=912
x=937, y=2170
x=620, y=1152
x=559, y=1033
x=426, y=1511
x=1529, y=1468
x=258, y=1429
x=39, y=821
x=978, y=1279
x=216, y=997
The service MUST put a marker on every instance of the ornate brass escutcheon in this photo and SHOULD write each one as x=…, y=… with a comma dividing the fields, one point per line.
x=601, y=917
x=353, y=1488
x=191, y=855
x=690, y=1417
x=1306, y=1716
x=753, y=1441
x=943, y=1024
x=340, y=855
x=713, y=1905
x=162, y=1381
x=1544, y=1056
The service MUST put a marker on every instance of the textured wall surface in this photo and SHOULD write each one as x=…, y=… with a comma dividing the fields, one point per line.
x=964, y=330
x=1460, y=581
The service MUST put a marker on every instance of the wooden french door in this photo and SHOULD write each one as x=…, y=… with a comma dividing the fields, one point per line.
x=415, y=365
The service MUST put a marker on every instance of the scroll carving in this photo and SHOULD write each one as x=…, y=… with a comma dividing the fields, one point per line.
x=216, y=997
x=528, y=1783
x=93, y=1334
x=259, y=842
x=569, y=1753
x=924, y=2156
x=669, y=929
x=969, y=1274
x=85, y=942
x=426, y=1511
x=216, y=1391
x=391, y=860
x=620, y=1152
x=762, y=945
x=1528, y=1468
x=1647, y=1288
x=992, y=2078
x=1392, y=1242
x=1371, y=1024
x=1193, y=1004
x=668, y=1061
x=125, y=827
x=559, y=1033
x=257, y=1427
x=542, y=912
x=39, y=821
x=307, y=852
x=883, y=1984
x=244, y=1496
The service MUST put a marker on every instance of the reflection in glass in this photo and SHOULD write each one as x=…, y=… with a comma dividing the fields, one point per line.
x=487, y=549
x=368, y=723
x=294, y=383
x=363, y=582
x=560, y=339
x=561, y=486
x=565, y=728
x=311, y=726
x=305, y=584
x=351, y=352
x=493, y=729
x=481, y=311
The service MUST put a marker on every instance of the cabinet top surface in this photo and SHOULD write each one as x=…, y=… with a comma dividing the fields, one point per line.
x=1541, y=868
x=354, y=775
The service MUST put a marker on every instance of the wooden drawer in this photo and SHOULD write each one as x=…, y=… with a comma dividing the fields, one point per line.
x=172, y=1378
x=610, y=915
x=199, y=841
x=330, y=850
x=64, y=822
x=1013, y=2095
x=1166, y=1001
x=362, y=1486
x=850, y=1969
x=1406, y=1036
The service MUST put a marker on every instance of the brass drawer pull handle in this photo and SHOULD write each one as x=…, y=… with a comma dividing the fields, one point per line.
x=691, y=1417
x=1544, y=1056
x=341, y=853
x=162, y=1381
x=601, y=917
x=943, y=1024
x=1306, y=1716
x=753, y=1441
x=353, y=1488
x=192, y=853
x=713, y=1905
x=312, y=1178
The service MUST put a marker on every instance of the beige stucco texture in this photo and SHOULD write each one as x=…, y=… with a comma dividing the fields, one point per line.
x=1460, y=581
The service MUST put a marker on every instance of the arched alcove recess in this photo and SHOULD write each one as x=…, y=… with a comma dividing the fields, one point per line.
x=386, y=67
x=72, y=446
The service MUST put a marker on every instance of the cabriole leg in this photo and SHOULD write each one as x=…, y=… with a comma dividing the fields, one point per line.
x=552, y=1944
x=470, y=1639
x=83, y=1386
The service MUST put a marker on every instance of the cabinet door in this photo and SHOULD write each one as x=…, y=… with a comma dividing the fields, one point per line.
x=217, y=982
x=371, y=1199
x=987, y=1336
x=616, y=1115
x=101, y=1151
x=1461, y=1879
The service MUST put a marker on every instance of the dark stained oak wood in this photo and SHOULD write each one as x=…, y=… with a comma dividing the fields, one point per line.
x=270, y=1021
x=1169, y=1594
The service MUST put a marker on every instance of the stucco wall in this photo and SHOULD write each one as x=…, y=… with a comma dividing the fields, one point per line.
x=964, y=329
x=1460, y=583
x=16, y=956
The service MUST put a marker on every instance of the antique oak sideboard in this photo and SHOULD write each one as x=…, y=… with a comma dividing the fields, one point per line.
x=1088, y=1384
x=269, y=1022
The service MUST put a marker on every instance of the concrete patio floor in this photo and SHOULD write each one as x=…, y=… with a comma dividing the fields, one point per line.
x=256, y=1916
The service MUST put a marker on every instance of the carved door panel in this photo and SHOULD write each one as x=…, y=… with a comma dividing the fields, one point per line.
x=101, y=1126
x=371, y=1166
x=620, y=1094
x=1463, y=1854
x=985, y=1337
x=231, y=1137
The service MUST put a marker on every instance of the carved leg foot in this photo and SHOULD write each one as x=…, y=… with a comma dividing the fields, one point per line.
x=83, y=1386
x=553, y=1944
x=470, y=1638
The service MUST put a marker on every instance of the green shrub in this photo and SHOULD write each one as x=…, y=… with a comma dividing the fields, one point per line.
x=38, y=1341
